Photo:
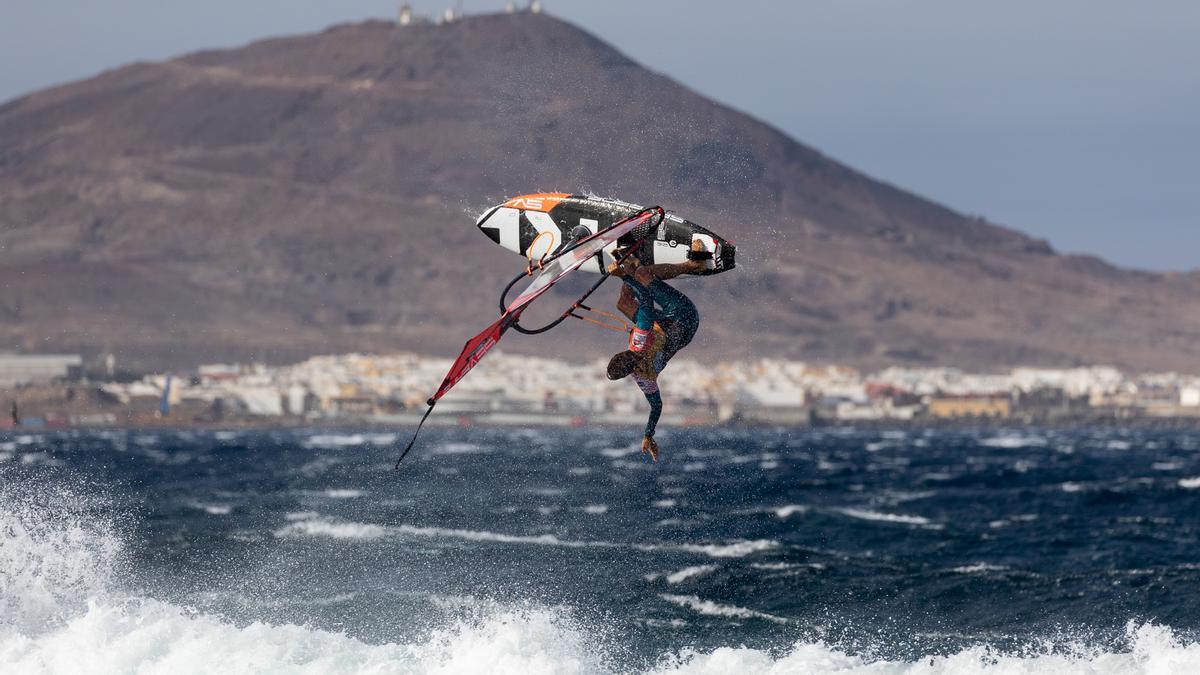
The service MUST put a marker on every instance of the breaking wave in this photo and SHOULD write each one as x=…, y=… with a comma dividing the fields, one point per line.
x=65, y=608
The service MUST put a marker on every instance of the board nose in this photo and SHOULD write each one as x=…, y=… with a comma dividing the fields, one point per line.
x=481, y=222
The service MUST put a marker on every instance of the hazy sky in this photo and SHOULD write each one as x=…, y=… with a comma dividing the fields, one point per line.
x=1073, y=120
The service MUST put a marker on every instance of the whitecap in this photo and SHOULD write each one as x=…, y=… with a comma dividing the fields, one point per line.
x=343, y=493
x=321, y=527
x=459, y=449
x=738, y=549
x=689, y=573
x=335, y=441
x=1013, y=441
x=784, y=512
x=1150, y=649
x=497, y=537
x=595, y=509
x=880, y=517
x=664, y=504
x=978, y=568
x=710, y=608
x=1189, y=483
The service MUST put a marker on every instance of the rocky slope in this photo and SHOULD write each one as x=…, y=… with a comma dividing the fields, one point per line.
x=317, y=194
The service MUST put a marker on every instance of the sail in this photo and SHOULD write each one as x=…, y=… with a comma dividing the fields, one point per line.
x=552, y=272
x=639, y=225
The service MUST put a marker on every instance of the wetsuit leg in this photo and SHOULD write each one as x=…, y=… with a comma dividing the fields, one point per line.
x=680, y=319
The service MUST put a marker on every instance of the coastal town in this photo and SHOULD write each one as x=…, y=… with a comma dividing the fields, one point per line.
x=511, y=389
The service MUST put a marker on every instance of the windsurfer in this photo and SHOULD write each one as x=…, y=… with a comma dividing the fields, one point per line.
x=658, y=334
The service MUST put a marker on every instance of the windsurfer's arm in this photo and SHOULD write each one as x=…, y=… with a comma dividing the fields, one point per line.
x=654, y=398
x=650, y=389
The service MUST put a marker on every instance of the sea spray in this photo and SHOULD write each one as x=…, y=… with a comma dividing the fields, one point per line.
x=57, y=552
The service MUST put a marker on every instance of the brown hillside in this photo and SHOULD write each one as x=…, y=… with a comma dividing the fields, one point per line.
x=318, y=193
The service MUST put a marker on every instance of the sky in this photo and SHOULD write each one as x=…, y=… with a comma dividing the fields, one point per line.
x=1077, y=121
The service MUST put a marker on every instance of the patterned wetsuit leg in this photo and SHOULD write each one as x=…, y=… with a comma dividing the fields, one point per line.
x=679, y=317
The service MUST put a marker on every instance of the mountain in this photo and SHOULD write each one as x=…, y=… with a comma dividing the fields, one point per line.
x=317, y=194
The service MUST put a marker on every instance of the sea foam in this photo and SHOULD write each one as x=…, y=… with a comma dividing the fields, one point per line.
x=63, y=609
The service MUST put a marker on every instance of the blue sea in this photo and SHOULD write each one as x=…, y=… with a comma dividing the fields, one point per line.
x=836, y=550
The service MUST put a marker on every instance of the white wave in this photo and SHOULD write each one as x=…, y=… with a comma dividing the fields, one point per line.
x=880, y=517
x=58, y=615
x=1189, y=483
x=300, y=515
x=664, y=504
x=547, y=492
x=478, y=535
x=311, y=524
x=149, y=636
x=214, y=509
x=321, y=527
x=710, y=608
x=614, y=453
x=51, y=560
x=689, y=573
x=784, y=512
x=1151, y=650
x=738, y=549
x=459, y=449
x=344, y=493
x=978, y=568
x=1013, y=441
x=335, y=441
x=784, y=567
x=1072, y=487
x=596, y=509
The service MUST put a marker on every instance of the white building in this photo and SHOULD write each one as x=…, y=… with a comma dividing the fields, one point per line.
x=17, y=369
x=1189, y=396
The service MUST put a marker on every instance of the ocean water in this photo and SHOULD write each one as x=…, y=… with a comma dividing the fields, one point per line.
x=554, y=551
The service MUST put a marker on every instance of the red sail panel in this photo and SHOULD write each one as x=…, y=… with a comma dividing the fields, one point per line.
x=474, y=350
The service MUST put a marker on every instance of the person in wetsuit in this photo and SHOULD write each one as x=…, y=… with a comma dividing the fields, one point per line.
x=659, y=332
